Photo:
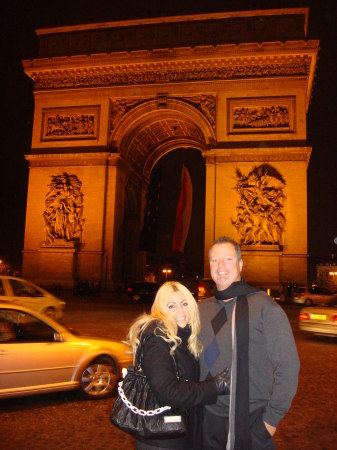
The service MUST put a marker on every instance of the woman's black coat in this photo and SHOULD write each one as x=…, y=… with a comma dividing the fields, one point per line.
x=187, y=392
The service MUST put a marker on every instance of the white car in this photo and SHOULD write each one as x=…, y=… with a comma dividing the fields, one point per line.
x=23, y=292
x=319, y=320
x=38, y=355
x=315, y=295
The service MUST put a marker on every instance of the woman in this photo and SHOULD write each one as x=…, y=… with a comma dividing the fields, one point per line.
x=173, y=327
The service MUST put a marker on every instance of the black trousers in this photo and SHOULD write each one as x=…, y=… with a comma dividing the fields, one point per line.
x=215, y=432
x=143, y=446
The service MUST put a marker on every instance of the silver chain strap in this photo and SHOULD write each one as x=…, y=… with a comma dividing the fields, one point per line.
x=134, y=409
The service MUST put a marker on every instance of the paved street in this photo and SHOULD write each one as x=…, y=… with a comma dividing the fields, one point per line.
x=62, y=421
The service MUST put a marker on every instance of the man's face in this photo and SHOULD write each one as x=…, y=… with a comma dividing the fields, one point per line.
x=224, y=265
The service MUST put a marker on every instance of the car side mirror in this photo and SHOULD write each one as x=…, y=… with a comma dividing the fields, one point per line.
x=58, y=337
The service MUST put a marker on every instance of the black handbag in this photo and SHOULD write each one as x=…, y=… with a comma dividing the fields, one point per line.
x=137, y=411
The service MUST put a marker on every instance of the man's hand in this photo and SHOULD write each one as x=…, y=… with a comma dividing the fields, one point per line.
x=271, y=430
x=222, y=382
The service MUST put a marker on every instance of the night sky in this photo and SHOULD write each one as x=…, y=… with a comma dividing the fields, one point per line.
x=21, y=18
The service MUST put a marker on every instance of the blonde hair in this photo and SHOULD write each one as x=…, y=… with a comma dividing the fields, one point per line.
x=167, y=327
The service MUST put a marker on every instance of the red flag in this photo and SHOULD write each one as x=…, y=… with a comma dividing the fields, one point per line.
x=184, y=212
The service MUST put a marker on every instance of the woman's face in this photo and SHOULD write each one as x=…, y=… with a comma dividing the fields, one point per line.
x=177, y=307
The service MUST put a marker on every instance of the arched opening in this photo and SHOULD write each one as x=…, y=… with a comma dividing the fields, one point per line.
x=161, y=136
x=157, y=247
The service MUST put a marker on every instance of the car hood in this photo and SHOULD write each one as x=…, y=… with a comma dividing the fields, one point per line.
x=115, y=344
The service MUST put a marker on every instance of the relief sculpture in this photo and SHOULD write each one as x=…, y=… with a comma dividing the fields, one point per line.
x=148, y=75
x=119, y=107
x=70, y=123
x=261, y=117
x=64, y=208
x=260, y=219
x=206, y=104
x=74, y=124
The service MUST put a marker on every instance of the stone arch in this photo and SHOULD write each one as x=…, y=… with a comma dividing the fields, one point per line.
x=154, y=127
x=143, y=132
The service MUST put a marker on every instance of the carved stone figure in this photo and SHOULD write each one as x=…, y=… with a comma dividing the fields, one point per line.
x=64, y=208
x=70, y=125
x=206, y=104
x=260, y=219
x=261, y=117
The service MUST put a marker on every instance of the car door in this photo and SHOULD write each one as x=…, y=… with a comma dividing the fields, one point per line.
x=3, y=290
x=32, y=357
x=325, y=296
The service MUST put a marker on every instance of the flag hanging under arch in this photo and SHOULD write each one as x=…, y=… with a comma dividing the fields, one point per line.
x=184, y=212
x=148, y=234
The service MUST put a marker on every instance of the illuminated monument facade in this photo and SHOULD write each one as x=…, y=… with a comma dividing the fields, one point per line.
x=111, y=99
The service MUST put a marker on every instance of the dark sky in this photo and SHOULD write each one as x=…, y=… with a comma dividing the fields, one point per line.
x=21, y=18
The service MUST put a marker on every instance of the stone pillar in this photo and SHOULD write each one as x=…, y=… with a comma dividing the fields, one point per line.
x=86, y=256
x=210, y=210
x=266, y=264
x=57, y=263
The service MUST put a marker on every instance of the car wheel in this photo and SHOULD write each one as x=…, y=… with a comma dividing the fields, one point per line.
x=308, y=302
x=99, y=379
x=51, y=312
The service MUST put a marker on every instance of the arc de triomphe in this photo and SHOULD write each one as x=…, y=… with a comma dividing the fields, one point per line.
x=111, y=99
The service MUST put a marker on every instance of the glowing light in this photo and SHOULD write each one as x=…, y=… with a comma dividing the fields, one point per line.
x=166, y=272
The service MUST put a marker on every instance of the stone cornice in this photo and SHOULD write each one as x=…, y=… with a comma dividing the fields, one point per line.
x=174, y=19
x=73, y=159
x=180, y=65
x=257, y=154
x=243, y=53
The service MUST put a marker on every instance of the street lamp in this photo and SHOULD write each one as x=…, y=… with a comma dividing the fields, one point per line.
x=166, y=272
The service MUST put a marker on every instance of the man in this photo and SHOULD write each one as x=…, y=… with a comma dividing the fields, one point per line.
x=244, y=329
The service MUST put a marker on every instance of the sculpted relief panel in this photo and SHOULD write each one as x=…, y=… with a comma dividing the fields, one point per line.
x=126, y=75
x=64, y=208
x=207, y=105
x=70, y=123
x=259, y=115
x=260, y=219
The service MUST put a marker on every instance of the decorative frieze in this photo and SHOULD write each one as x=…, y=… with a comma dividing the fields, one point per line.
x=172, y=72
x=70, y=123
x=260, y=115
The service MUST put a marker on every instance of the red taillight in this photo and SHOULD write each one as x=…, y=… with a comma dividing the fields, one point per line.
x=129, y=290
x=334, y=319
x=303, y=294
x=304, y=316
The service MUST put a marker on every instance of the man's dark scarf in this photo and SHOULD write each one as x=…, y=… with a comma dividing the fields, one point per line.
x=240, y=290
